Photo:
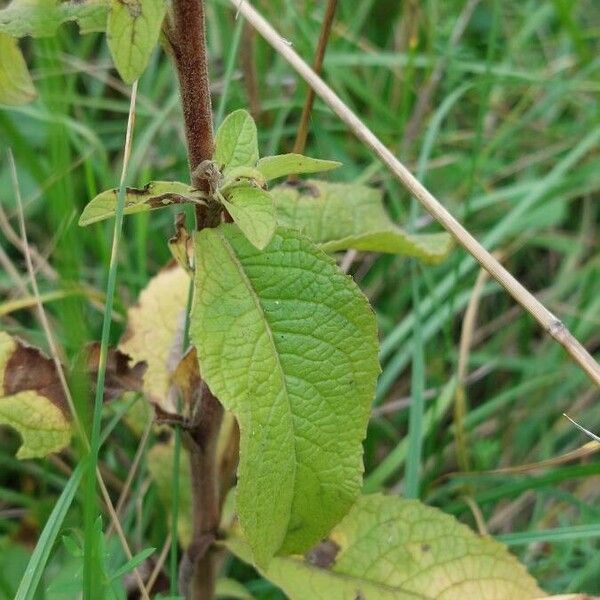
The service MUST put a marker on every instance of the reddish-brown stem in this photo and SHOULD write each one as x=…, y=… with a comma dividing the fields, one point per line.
x=185, y=32
x=187, y=40
x=317, y=65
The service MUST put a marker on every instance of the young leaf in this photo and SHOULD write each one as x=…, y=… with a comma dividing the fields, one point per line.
x=389, y=548
x=288, y=343
x=236, y=142
x=16, y=86
x=31, y=399
x=41, y=18
x=281, y=165
x=253, y=211
x=156, y=194
x=339, y=216
x=132, y=31
x=155, y=329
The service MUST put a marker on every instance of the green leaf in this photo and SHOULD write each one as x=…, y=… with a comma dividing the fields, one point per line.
x=339, y=216
x=16, y=86
x=236, y=142
x=160, y=466
x=41, y=18
x=253, y=211
x=91, y=15
x=132, y=32
x=31, y=400
x=389, y=548
x=288, y=343
x=39, y=558
x=132, y=563
x=291, y=164
x=231, y=589
x=156, y=194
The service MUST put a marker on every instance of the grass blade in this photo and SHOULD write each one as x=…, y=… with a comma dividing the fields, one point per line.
x=39, y=558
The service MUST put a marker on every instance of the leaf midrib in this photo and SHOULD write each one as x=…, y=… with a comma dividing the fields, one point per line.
x=253, y=294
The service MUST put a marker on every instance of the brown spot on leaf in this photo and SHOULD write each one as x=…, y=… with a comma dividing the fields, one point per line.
x=166, y=199
x=323, y=555
x=29, y=369
x=425, y=547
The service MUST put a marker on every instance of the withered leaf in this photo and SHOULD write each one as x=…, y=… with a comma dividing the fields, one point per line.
x=120, y=377
x=32, y=399
x=180, y=244
x=154, y=332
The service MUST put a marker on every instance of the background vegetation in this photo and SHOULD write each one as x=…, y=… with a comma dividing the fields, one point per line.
x=508, y=139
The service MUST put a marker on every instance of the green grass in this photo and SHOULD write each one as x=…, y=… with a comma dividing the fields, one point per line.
x=509, y=144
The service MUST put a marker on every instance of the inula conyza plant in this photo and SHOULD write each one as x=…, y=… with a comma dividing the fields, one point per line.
x=268, y=372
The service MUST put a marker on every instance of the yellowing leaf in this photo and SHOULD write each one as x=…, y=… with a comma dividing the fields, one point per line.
x=155, y=329
x=339, y=216
x=132, y=32
x=288, y=343
x=16, y=86
x=253, y=211
x=42, y=425
x=389, y=548
x=156, y=194
x=281, y=165
x=160, y=465
x=236, y=143
x=31, y=399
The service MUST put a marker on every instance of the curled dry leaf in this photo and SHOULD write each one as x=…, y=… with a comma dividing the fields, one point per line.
x=155, y=332
x=120, y=377
x=181, y=245
x=154, y=195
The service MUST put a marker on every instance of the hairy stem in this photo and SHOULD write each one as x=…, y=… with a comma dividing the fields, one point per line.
x=187, y=40
x=186, y=35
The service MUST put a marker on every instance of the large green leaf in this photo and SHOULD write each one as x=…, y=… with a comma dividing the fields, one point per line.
x=389, y=548
x=16, y=86
x=236, y=142
x=288, y=343
x=339, y=216
x=253, y=211
x=157, y=194
x=132, y=30
x=272, y=167
x=41, y=18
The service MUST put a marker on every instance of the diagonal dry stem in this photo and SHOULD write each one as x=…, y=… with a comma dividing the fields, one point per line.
x=552, y=324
